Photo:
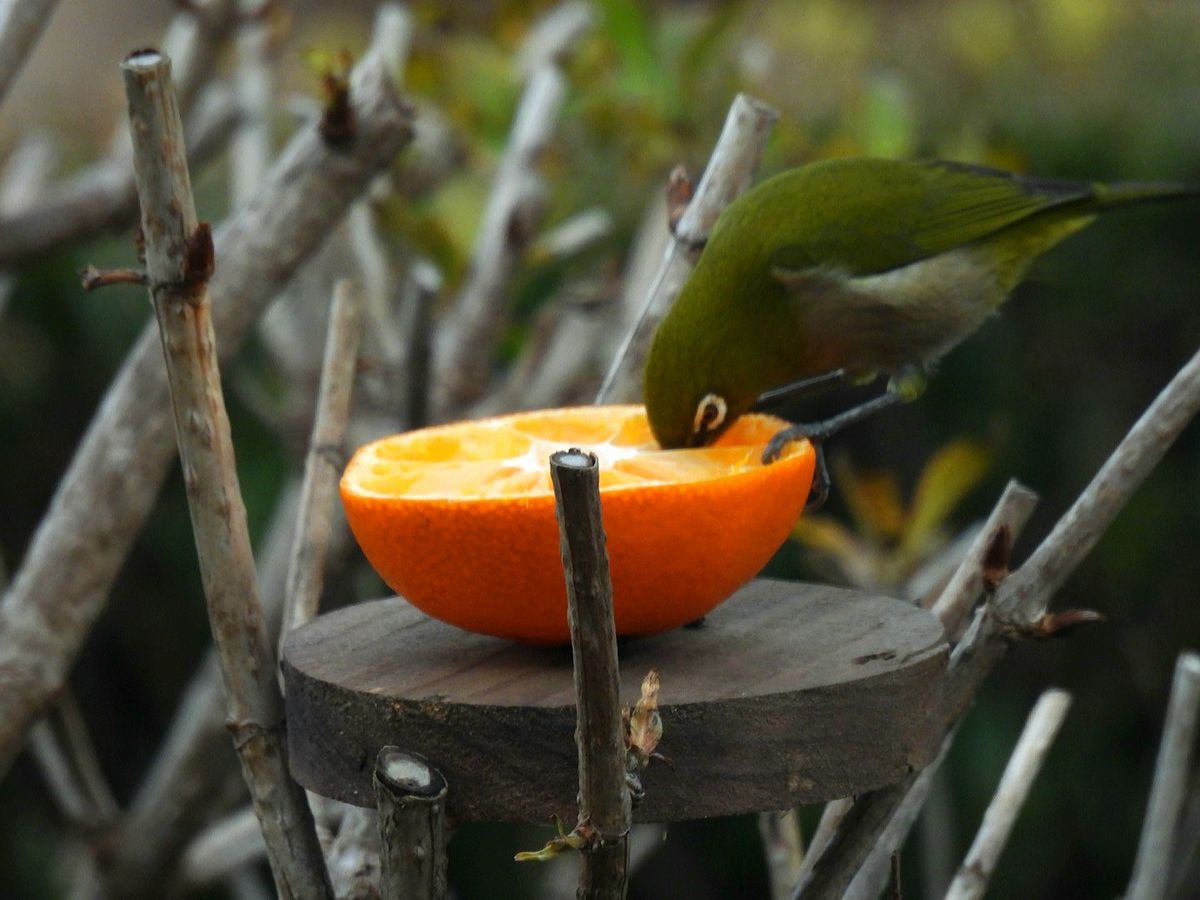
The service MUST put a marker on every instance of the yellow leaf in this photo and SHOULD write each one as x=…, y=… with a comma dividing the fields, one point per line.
x=946, y=479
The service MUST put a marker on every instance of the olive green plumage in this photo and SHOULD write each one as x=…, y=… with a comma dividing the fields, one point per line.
x=867, y=265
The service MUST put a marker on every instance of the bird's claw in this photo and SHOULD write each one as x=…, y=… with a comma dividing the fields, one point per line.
x=780, y=440
x=819, y=492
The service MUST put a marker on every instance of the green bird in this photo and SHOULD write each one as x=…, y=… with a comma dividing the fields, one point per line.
x=848, y=268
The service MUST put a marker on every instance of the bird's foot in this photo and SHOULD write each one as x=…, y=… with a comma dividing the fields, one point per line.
x=819, y=492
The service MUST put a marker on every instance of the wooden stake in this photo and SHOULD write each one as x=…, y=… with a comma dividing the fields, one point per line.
x=410, y=796
x=179, y=260
x=605, y=813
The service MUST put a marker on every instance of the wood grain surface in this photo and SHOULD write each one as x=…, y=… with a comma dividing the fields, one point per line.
x=787, y=693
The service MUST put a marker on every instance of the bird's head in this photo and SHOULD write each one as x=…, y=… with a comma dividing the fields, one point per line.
x=686, y=403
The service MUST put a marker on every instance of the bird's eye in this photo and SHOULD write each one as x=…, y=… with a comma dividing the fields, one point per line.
x=710, y=415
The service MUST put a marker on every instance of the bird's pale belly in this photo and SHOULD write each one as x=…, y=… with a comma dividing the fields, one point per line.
x=909, y=315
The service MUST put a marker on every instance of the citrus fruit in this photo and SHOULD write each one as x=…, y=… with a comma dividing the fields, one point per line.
x=459, y=519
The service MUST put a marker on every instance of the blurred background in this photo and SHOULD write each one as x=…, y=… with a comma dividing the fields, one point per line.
x=1095, y=89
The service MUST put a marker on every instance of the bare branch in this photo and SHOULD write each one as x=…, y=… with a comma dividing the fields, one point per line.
x=174, y=799
x=731, y=168
x=1152, y=867
x=1024, y=596
x=63, y=750
x=513, y=208
x=306, y=571
x=353, y=858
x=962, y=591
x=250, y=148
x=21, y=24
x=92, y=278
x=102, y=197
x=179, y=262
x=1023, y=766
x=225, y=845
x=410, y=796
x=554, y=34
x=605, y=813
x=868, y=883
x=103, y=499
x=784, y=848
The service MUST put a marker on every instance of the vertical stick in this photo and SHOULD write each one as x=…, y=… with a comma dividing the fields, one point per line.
x=306, y=568
x=410, y=795
x=1152, y=867
x=1026, y=761
x=604, y=804
x=178, y=262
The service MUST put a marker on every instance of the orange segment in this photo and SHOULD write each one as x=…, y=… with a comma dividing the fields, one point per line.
x=459, y=519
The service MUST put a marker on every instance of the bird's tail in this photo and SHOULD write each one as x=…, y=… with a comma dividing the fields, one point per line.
x=1128, y=192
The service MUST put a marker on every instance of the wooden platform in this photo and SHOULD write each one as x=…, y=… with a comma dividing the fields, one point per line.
x=788, y=693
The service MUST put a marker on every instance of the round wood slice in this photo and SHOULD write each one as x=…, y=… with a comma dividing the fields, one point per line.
x=787, y=693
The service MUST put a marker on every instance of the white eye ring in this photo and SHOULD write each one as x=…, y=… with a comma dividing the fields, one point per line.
x=710, y=414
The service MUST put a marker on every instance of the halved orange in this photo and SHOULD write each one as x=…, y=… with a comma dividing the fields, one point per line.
x=459, y=519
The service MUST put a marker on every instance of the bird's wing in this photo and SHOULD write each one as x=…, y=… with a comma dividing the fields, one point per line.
x=868, y=216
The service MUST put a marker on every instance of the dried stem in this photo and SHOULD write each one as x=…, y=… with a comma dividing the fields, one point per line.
x=1006, y=520
x=410, y=796
x=353, y=858
x=604, y=803
x=1024, y=764
x=173, y=801
x=102, y=499
x=250, y=148
x=1020, y=598
x=870, y=873
x=508, y=224
x=1152, y=867
x=21, y=24
x=306, y=571
x=1024, y=596
x=425, y=283
x=63, y=751
x=103, y=197
x=222, y=847
x=731, y=168
x=178, y=262
x=784, y=846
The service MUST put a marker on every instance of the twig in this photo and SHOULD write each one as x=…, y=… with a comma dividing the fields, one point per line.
x=1023, y=766
x=410, y=796
x=870, y=874
x=250, y=147
x=353, y=859
x=512, y=211
x=425, y=283
x=784, y=846
x=306, y=571
x=1006, y=520
x=103, y=499
x=21, y=24
x=868, y=883
x=92, y=278
x=845, y=847
x=103, y=197
x=1152, y=867
x=731, y=168
x=174, y=798
x=554, y=34
x=1023, y=596
x=179, y=262
x=605, y=813
x=222, y=847
x=63, y=751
